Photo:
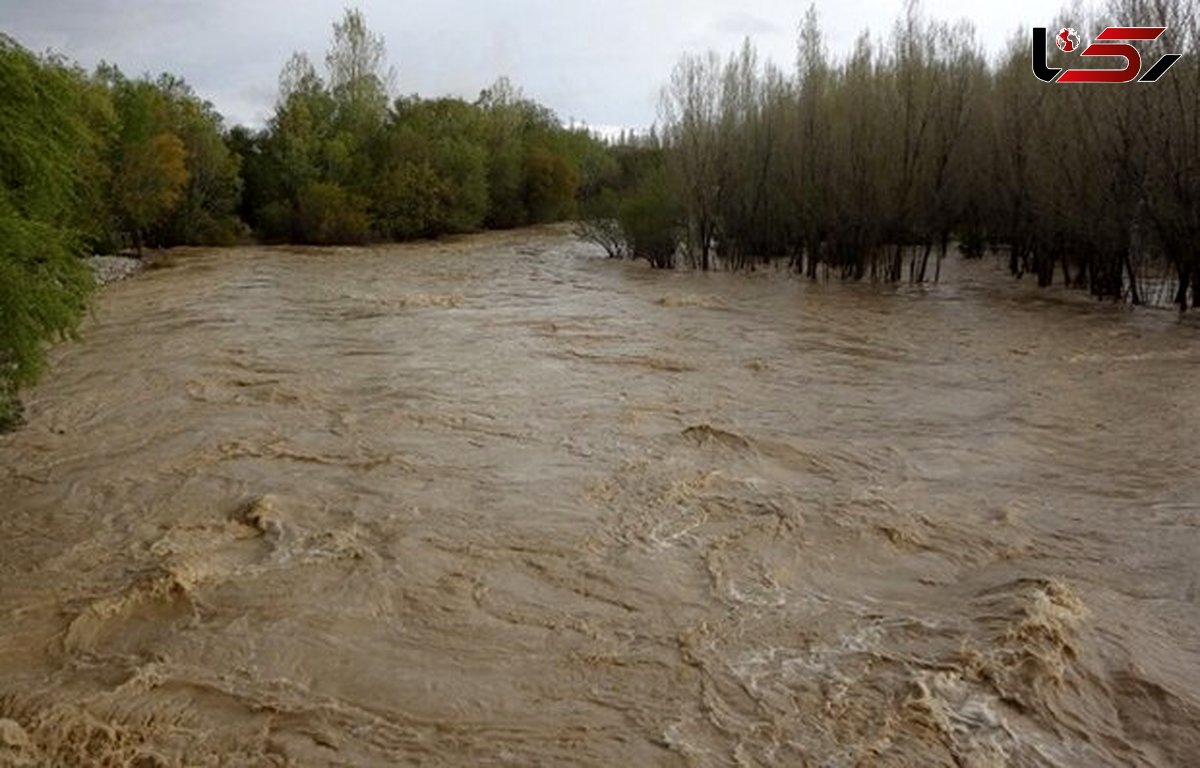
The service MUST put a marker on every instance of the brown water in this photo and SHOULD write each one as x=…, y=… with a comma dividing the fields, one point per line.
x=498, y=501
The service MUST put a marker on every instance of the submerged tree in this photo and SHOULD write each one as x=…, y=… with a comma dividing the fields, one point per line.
x=691, y=109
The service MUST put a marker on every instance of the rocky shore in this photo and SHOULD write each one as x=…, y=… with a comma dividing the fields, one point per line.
x=110, y=269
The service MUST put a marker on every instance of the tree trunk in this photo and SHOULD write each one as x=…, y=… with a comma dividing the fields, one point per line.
x=924, y=262
x=937, y=271
x=1135, y=295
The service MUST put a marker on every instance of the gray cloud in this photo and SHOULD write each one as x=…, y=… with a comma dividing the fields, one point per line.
x=602, y=63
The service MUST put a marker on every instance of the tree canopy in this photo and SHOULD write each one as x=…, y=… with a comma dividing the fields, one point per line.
x=345, y=160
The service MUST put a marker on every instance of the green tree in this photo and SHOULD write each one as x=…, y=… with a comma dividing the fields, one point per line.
x=47, y=162
x=551, y=180
x=649, y=219
x=206, y=214
x=149, y=182
x=359, y=81
x=174, y=179
x=432, y=178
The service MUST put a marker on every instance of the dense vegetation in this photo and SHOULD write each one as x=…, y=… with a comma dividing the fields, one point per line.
x=869, y=167
x=339, y=162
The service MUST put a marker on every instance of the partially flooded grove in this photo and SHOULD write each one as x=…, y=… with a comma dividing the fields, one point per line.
x=879, y=162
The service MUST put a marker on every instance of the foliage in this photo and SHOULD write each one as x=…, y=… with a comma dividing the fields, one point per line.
x=174, y=178
x=149, y=181
x=46, y=163
x=598, y=223
x=206, y=213
x=326, y=213
x=427, y=167
x=649, y=220
x=432, y=177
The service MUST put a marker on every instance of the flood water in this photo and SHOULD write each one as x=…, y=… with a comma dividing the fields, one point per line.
x=500, y=501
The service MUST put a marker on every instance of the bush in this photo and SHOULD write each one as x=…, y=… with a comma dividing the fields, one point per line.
x=648, y=219
x=326, y=214
x=551, y=181
x=275, y=221
x=598, y=223
x=43, y=292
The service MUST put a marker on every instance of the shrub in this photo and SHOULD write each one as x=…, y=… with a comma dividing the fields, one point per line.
x=327, y=214
x=648, y=219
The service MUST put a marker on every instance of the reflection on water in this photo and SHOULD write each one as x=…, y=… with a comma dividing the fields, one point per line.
x=499, y=501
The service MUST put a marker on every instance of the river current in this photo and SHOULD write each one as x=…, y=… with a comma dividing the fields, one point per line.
x=498, y=500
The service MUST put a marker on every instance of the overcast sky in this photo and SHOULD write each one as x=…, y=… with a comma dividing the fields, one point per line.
x=596, y=61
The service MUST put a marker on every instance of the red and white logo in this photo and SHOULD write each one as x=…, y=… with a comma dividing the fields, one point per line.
x=1066, y=39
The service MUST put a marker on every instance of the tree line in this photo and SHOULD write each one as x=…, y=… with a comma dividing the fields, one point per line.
x=870, y=166
x=342, y=162
x=98, y=162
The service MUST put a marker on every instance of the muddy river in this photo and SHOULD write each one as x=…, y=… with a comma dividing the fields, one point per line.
x=501, y=501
